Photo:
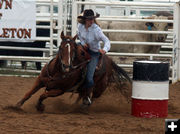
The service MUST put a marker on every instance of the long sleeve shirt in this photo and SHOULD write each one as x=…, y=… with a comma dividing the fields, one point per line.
x=92, y=36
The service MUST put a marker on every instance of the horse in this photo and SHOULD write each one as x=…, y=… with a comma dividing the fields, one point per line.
x=70, y=65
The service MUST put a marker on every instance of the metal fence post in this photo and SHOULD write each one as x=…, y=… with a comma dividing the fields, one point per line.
x=74, y=18
x=176, y=45
x=51, y=30
x=60, y=19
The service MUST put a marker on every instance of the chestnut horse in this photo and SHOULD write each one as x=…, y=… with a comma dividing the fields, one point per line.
x=66, y=73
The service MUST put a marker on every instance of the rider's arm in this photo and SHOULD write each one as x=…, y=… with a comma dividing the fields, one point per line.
x=100, y=36
x=83, y=42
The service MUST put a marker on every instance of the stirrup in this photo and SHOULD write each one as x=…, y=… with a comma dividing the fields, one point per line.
x=87, y=101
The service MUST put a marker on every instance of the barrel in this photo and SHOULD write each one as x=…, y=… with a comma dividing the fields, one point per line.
x=150, y=89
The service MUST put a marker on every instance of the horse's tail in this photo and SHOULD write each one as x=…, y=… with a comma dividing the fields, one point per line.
x=121, y=76
x=120, y=73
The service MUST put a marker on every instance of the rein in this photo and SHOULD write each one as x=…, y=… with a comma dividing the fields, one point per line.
x=75, y=67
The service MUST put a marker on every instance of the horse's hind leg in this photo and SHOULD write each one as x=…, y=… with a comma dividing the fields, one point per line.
x=51, y=93
x=37, y=85
x=100, y=87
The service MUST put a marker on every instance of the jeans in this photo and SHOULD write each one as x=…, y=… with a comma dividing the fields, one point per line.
x=91, y=67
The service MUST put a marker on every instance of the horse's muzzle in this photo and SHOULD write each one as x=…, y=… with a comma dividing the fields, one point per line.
x=66, y=68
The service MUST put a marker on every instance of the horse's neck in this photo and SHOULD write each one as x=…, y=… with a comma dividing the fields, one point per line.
x=57, y=65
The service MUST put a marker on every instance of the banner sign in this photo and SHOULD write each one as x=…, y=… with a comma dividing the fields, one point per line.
x=17, y=20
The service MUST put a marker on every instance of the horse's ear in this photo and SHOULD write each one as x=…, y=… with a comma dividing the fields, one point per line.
x=62, y=35
x=74, y=38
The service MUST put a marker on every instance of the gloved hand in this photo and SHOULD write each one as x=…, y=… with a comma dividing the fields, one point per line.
x=102, y=51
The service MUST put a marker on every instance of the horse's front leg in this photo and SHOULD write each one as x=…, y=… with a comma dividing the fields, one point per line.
x=37, y=85
x=52, y=93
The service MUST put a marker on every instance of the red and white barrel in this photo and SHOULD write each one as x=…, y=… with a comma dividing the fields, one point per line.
x=150, y=90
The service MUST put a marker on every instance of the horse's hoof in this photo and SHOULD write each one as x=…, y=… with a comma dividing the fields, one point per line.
x=19, y=104
x=40, y=107
x=84, y=109
x=83, y=106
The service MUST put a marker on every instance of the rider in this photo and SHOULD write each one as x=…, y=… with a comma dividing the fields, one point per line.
x=90, y=35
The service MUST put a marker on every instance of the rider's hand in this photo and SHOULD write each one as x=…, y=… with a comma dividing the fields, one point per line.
x=102, y=51
x=86, y=46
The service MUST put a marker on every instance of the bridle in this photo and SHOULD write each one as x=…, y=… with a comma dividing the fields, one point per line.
x=68, y=43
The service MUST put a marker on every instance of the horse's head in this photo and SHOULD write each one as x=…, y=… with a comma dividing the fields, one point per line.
x=67, y=51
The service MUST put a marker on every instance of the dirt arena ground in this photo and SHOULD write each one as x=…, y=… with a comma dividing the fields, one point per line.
x=110, y=114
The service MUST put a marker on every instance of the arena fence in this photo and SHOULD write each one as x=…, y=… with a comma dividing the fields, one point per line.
x=65, y=18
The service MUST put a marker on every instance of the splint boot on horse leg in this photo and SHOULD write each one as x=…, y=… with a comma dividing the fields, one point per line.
x=89, y=83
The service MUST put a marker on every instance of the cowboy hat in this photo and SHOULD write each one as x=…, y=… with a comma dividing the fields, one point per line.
x=88, y=14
